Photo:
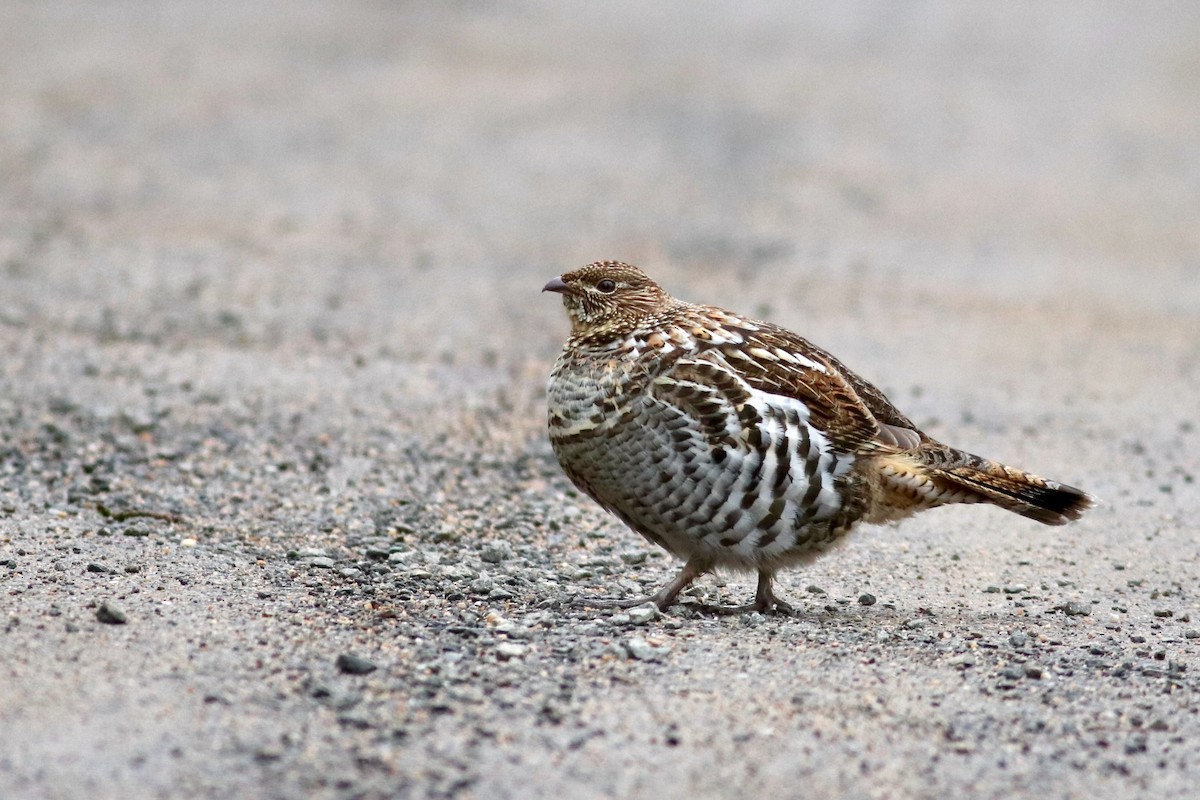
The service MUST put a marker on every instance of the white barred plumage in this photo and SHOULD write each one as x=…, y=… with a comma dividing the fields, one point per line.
x=732, y=442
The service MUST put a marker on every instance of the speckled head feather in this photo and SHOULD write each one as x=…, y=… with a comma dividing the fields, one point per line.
x=608, y=299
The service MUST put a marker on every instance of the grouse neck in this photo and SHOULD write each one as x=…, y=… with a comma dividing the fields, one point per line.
x=615, y=334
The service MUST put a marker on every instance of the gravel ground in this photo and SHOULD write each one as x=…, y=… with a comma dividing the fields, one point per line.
x=278, y=517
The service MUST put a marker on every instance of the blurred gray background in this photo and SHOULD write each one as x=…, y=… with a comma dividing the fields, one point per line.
x=234, y=235
x=402, y=156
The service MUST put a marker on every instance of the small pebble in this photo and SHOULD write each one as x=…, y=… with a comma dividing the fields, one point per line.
x=1163, y=612
x=514, y=631
x=321, y=562
x=306, y=552
x=354, y=665
x=268, y=753
x=1191, y=633
x=110, y=614
x=641, y=650
x=1075, y=609
x=1033, y=671
x=495, y=552
x=510, y=650
x=643, y=614
x=866, y=599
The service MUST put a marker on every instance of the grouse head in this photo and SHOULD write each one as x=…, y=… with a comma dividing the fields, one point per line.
x=608, y=298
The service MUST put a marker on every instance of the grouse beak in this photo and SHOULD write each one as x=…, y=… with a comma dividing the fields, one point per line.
x=556, y=285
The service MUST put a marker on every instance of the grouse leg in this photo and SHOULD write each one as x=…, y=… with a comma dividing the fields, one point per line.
x=665, y=596
x=765, y=600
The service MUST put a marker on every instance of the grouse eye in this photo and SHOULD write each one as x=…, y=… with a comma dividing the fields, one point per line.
x=608, y=286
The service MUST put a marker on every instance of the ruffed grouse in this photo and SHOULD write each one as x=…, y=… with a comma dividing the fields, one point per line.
x=734, y=443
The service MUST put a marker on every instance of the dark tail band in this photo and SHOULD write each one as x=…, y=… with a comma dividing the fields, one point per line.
x=1046, y=501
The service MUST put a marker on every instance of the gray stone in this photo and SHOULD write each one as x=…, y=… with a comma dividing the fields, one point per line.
x=354, y=665
x=110, y=613
x=495, y=552
x=640, y=615
x=642, y=650
x=510, y=650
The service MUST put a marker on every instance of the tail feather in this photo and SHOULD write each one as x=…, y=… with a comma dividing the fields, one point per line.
x=1030, y=496
x=936, y=475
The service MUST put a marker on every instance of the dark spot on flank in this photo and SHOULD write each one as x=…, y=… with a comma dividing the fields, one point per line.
x=810, y=466
x=782, y=470
x=754, y=438
x=810, y=497
x=748, y=415
x=773, y=515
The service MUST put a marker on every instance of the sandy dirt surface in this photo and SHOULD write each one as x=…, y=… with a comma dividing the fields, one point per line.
x=272, y=387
